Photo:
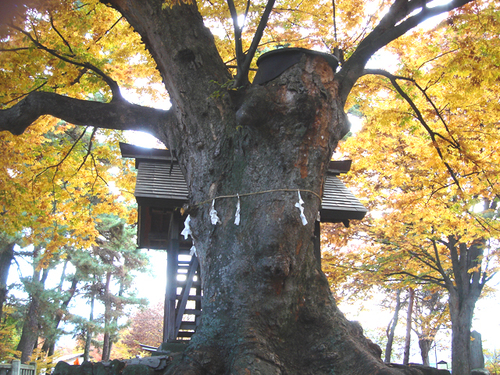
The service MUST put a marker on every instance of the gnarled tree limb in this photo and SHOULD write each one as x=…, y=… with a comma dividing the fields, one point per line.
x=393, y=25
x=117, y=114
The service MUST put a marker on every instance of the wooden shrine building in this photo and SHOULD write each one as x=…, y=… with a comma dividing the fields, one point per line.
x=161, y=191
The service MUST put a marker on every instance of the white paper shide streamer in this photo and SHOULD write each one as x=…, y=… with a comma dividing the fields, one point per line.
x=213, y=215
x=192, y=251
x=237, y=214
x=300, y=206
x=186, y=232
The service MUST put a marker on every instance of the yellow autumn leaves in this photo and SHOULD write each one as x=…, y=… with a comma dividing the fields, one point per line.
x=431, y=178
x=54, y=185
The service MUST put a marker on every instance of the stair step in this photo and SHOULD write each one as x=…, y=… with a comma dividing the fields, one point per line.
x=192, y=312
x=193, y=284
x=185, y=334
x=188, y=325
x=190, y=298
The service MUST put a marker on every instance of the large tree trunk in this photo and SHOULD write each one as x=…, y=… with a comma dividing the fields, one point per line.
x=391, y=329
x=267, y=306
x=6, y=257
x=461, y=313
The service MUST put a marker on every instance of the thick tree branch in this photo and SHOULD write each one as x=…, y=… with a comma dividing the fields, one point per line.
x=393, y=25
x=237, y=34
x=246, y=59
x=187, y=59
x=118, y=114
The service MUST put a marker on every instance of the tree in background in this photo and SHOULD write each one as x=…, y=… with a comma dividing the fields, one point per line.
x=430, y=165
x=267, y=307
x=146, y=327
x=431, y=315
x=50, y=202
x=120, y=261
x=9, y=336
x=493, y=362
x=352, y=269
x=59, y=304
x=6, y=256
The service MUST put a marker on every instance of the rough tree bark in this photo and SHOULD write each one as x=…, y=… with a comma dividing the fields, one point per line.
x=267, y=307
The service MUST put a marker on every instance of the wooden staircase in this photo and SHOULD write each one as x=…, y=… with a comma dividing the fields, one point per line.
x=183, y=298
x=188, y=297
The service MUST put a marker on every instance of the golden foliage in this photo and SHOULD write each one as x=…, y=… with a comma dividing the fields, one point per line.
x=435, y=178
x=54, y=184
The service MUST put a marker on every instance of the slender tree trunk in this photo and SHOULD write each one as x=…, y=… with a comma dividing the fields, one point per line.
x=464, y=293
x=31, y=326
x=113, y=338
x=50, y=341
x=6, y=256
x=88, y=336
x=106, y=345
x=391, y=329
x=411, y=295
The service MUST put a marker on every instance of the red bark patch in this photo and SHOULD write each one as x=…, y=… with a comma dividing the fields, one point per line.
x=299, y=246
x=318, y=79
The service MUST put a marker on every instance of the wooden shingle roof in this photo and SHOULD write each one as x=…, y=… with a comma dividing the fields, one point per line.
x=160, y=186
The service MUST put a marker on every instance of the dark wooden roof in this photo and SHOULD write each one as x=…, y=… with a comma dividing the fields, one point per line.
x=157, y=187
x=338, y=203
